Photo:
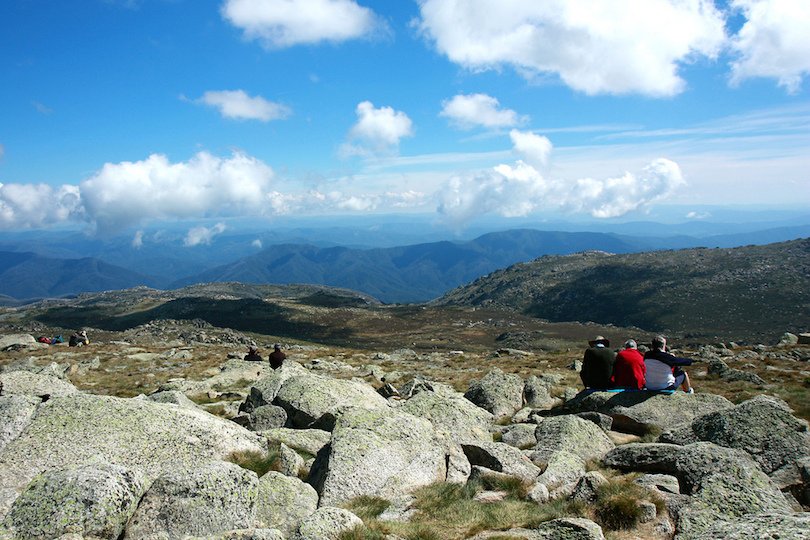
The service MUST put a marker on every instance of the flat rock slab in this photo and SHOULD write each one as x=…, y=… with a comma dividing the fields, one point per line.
x=644, y=412
x=26, y=383
x=16, y=413
x=452, y=415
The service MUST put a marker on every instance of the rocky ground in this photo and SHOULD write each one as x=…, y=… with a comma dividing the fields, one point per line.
x=163, y=431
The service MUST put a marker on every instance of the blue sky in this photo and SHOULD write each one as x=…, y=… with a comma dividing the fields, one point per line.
x=119, y=113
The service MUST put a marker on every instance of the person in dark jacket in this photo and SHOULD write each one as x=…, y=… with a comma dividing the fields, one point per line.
x=277, y=357
x=629, y=370
x=253, y=355
x=664, y=369
x=597, y=364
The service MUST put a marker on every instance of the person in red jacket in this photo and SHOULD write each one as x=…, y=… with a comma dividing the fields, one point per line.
x=629, y=370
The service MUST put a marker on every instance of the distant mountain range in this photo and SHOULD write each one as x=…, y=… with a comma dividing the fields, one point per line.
x=754, y=291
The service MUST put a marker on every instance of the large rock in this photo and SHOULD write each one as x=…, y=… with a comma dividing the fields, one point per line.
x=315, y=400
x=83, y=429
x=310, y=441
x=16, y=340
x=267, y=417
x=452, y=415
x=498, y=392
x=770, y=526
x=26, y=383
x=264, y=391
x=502, y=458
x=556, y=529
x=283, y=502
x=327, y=523
x=537, y=393
x=645, y=412
x=725, y=484
x=237, y=534
x=378, y=452
x=95, y=501
x=173, y=397
x=209, y=498
x=763, y=427
x=570, y=433
x=16, y=413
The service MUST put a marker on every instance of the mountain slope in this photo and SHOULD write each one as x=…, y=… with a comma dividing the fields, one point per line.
x=403, y=274
x=760, y=291
x=26, y=275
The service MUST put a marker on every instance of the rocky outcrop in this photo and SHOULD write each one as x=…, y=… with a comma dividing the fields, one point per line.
x=537, y=393
x=315, y=400
x=556, y=529
x=723, y=484
x=95, y=501
x=11, y=341
x=82, y=429
x=452, y=415
x=380, y=452
x=572, y=434
x=264, y=391
x=284, y=502
x=26, y=383
x=781, y=526
x=498, y=392
x=310, y=441
x=327, y=523
x=206, y=499
x=644, y=412
x=172, y=396
x=763, y=427
x=502, y=458
x=16, y=413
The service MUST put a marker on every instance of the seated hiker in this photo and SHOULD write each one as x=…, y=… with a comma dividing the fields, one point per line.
x=277, y=357
x=629, y=370
x=597, y=364
x=253, y=354
x=77, y=339
x=664, y=369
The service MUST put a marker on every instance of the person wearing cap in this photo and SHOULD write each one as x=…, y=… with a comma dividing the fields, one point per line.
x=629, y=370
x=664, y=369
x=277, y=357
x=597, y=364
x=253, y=354
x=78, y=339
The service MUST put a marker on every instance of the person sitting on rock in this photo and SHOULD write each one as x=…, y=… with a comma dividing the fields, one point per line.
x=629, y=370
x=77, y=339
x=277, y=357
x=597, y=364
x=253, y=354
x=664, y=369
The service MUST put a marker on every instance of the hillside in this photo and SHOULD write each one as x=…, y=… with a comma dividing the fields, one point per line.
x=27, y=275
x=413, y=273
x=753, y=291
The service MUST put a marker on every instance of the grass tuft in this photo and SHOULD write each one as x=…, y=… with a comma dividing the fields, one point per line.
x=258, y=462
x=368, y=507
x=617, y=504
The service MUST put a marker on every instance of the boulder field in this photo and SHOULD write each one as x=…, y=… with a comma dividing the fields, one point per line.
x=78, y=466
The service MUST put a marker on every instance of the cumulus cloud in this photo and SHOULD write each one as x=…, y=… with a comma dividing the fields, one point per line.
x=472, y=110
x=774, y=42
x=126, y=193
x=38, y=205
x=137, y=240
x=616, y=47
x=202, y=235
x=533, y=149
x=285, y=23
x=257, y=243
x=237, y=105
x=519, y=189
x=377, y=130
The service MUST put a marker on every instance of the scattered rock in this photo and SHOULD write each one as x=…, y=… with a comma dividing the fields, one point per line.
x=519, y=435
x=290, y=463
x=587, y=486
x=721, y=369
x=498, y=392
x=502, y=458
x=452, y=415
x=310, y=441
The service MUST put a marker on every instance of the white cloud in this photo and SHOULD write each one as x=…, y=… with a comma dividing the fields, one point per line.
x=774, y=42
x=126, y=193
x=42, y=108
x=377, y=130
x=38, y=205
x=257, y=243
x=533, y=149
x=137, y=240
x=236, y=104
x=520, y=189
x=202, y=235
x=285, y=23
x=617, y=47
x=471, y=110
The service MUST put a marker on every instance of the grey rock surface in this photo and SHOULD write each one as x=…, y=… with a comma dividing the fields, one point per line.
x=283, y=502
x=643, y=412
x=290, y=463
x=498, y=392
x=264, y=391
x=537, y=393
x=327, y=523
x=16, y=413
x=267, y=417
x=16, y=340
x=519, y=435
x=209, y=498
x=556, y=529
x=381, y=452
x=569, y=433
x=26, y=383
x=724, y=484
x=452, y=415
x=765, y=526
x=173, y=397
x=502, y=458
x=95, y=501
x=310, y=441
